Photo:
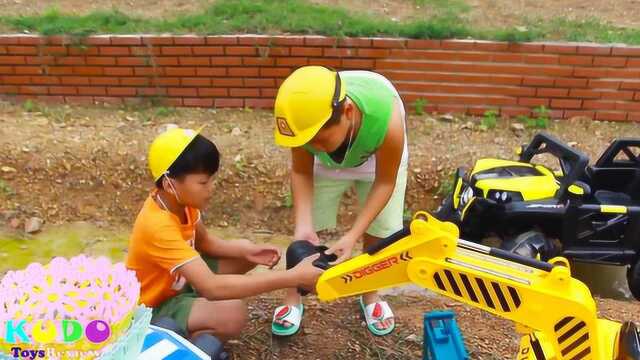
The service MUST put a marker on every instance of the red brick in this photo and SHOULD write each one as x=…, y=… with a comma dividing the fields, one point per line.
x=617, y=95
x=7, y=70
x=45, y=80
x=579, y=113
x=552, y=92
x=537, y=81
x=166, y=61
x=382, y=53
x=275, y=72
x=268, y=93
x=227, y=60
x=114, y=50
x=87, y=70
x=145, y=51
x=599, y=104
x=134, y=81
x=164, y=81
x=176, y=50
x=627, y=85
x=533, y=102
x=635, y=117
x=109, y=81
x=197, y=81
x=254, y=40
x=12, y=60
x=566, y=103
x=28, y=70
x=576, y=60
x=132, y=61
x=240, y=50
x=306, y=51
x=59, y=70
x=70, y=60
x=79, y=100
x=194, y=61
x=221, y=40
x=189, y=40
x=180, y=71
x=8, y=89
x=211, y=71
x=594, y=50
x=22, y=50
x=330, y=62
x=58, y=40
x=151, y=91
x=287, y=40
x=108, y=100
x=13, y=40
x=389, y=43
x=208, y=50
x=452, y=109
x=192, y=92
x=47, y=99
x=526, y=47
x=561, y=48
x=356, y=42
x=212, y=92
x=148, y=71
x=83, y=51
x=97, y=40
x=590, y=72
x=339, y=52
x=628, y=106
x=320, y=41
x=584, y=94
x=227, y=82
x=259, y=103
x=118, y=71
x=609, y=61
x=611, y=116
x=357, y=64
x=571, y=83
x=260, y=82
x=198, y=102
x=292, y=61
x=92, y=90
x=244, y=92
x=623, y=73
x=63, y=90
x=121, y=91
x=604, y=84
x=126, y=40
x=474, y=57
x=74, y=80
x=101, y=60
x=626, y=51
x=490, y=45
x=157, y=40
x=35, y=90
x=633, y=63
x=243, y=72
x=506, y=79
x=13, y=79
x=514, y=111
x=457, y=44
x=229, y=103
x=40, y=60
x=273, y=51
x=28, y=39
x=508, y=58
x=258, y=61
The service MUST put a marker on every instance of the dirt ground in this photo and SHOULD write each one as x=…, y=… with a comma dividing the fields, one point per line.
x=483, y=13
x=68, y=164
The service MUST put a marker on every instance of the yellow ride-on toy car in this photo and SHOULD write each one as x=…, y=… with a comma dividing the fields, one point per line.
x=587, y=213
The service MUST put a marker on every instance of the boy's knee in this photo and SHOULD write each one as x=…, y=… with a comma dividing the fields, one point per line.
x=235, y=320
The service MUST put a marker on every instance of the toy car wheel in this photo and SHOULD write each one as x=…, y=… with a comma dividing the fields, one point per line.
x=211, y=346
x=633, y=278
x=531, y=244
x=445, y=211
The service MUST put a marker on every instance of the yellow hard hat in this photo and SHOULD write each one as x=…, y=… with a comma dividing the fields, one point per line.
x=167, y=147
x=305, y=102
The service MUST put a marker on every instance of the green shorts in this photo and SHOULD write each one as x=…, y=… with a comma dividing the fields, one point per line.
x=179, y=307
x=327, y=193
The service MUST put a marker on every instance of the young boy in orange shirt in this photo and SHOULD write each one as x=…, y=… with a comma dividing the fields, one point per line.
x=187, y=274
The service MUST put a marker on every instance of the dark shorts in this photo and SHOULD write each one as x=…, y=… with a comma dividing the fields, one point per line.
x=179, y=307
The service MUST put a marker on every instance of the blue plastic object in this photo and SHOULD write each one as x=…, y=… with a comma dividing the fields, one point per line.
x=166, y=345
x=442, y=337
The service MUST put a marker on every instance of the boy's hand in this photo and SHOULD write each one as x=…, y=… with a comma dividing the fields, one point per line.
x=306, y=274
x=307, y=234
x=263, y=254
x=342, y=249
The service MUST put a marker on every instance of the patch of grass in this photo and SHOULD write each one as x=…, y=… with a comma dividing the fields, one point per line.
x=164, y=111
x=490, y=119
x=5, y=189
x=419, y=106
x=446, y=186
x=30, y=106
x=540, y=121
x=447, y=19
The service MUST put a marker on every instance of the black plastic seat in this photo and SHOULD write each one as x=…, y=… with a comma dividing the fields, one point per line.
x=606, y=197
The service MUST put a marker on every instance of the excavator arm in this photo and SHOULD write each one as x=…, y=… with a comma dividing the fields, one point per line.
x=554, y=312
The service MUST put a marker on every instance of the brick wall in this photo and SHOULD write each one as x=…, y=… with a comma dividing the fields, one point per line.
x=461, y=76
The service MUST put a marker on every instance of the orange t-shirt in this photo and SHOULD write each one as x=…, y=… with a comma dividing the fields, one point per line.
x=159, y=244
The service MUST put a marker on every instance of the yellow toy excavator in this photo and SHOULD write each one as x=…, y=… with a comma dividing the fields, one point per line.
x=554, y=312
